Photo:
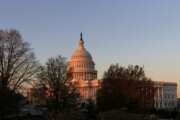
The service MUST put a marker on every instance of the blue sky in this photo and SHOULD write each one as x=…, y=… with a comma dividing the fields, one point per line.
x=143, y=32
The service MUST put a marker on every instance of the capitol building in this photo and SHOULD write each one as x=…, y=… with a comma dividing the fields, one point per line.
x=82, y=72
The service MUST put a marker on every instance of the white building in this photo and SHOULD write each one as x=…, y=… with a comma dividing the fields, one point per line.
x=166, y=95
x=82, y=72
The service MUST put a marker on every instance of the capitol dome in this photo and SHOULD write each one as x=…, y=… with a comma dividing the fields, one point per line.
x=81, y=54
x=81, y=65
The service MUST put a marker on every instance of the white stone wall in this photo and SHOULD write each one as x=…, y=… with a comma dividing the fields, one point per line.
x=170, y=96
x=166, y=95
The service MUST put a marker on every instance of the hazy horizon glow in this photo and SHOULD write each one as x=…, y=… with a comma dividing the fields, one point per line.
x=143, y=32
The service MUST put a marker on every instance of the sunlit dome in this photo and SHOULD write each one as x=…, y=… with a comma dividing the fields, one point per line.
x=81, y=54
x=81, y=64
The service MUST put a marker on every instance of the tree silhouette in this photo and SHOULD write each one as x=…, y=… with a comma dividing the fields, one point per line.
x=63, y=96
x=120, y=87
x=17, y=66
x=17, y=61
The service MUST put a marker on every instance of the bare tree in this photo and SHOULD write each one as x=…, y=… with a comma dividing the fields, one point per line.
x=53, y=76
x=17, y=61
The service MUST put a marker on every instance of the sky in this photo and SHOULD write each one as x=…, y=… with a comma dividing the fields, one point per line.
x=138, y=32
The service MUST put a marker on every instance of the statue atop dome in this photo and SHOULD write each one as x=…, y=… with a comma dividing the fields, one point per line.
x=81, y=42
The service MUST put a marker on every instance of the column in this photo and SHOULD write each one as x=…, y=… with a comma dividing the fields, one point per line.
x=162, y=96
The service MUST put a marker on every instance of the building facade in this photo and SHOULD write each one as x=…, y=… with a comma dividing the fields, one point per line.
x=165, y=96
x=82, y=72
x=158, y=95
